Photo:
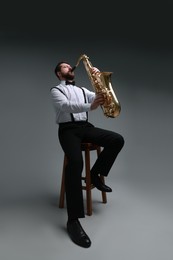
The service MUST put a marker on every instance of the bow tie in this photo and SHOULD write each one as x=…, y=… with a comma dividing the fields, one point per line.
x=70, y=82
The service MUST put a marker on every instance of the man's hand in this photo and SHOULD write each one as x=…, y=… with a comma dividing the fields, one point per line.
x=99, y=100
x=94, y=70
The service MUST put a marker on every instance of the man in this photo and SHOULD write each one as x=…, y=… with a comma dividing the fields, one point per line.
x=72, y=104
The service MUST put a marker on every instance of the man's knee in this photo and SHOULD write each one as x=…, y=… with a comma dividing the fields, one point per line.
x=121, y=141
x=118, y=142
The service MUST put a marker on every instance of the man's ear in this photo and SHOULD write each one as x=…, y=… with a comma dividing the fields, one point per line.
x=59, y=74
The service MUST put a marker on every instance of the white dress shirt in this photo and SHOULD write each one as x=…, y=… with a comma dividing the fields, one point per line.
x=70, y=100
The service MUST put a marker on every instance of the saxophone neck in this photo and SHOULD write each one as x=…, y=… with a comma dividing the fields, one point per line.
x=86, y=62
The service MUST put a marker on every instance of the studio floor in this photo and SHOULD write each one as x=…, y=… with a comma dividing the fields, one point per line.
x=136, y=223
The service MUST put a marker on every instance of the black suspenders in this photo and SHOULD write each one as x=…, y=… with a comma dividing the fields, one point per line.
x=72, y=117
x=85, y=102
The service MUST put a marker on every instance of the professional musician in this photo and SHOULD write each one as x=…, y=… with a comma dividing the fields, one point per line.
x=72, y=105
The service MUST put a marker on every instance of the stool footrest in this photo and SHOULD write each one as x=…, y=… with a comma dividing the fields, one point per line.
x=84, y=187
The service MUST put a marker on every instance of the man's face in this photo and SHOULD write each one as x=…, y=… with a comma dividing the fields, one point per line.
x=66, y=72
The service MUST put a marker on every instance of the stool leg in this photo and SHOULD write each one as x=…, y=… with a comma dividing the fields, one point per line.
x=104, y=196
x=62, y=191
x=88, y=182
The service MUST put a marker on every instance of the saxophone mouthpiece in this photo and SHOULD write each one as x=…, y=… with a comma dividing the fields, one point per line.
x=73, y=68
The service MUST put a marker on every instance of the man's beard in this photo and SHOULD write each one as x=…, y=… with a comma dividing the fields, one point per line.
x=68, y=76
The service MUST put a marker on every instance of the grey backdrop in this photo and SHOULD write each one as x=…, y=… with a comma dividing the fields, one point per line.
x=134, y=42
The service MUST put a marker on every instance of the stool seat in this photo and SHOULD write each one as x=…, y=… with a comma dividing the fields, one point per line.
x=86, y=178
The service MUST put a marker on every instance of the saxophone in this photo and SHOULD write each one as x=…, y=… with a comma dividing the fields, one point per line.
x=101, y=82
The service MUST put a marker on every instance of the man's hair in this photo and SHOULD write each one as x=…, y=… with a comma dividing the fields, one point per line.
x=58, y=67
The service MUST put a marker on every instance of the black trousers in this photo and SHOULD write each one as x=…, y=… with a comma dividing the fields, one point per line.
x=70, y=136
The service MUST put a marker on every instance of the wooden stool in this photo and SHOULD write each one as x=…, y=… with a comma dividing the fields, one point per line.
x=86, y=180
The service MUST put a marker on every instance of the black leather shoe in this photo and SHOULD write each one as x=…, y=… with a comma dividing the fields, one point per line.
x=77, y=234
x=97, y=182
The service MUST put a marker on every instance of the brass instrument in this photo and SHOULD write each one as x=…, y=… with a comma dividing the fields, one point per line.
x=101, y=82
